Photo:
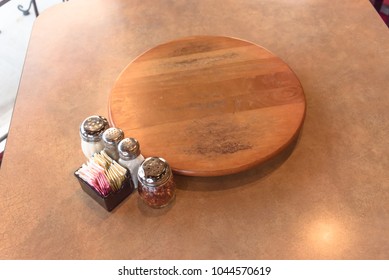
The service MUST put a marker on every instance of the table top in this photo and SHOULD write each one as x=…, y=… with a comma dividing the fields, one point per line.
x=209, y=105
x=325, y=198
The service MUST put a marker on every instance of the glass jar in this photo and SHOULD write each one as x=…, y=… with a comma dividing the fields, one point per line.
x=91, y=131
x=111, y=137
x=156, y=186
x=130, y=157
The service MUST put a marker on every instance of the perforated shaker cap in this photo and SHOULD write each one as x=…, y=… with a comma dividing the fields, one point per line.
x=113, y=135
x=92, y=128
x=129, y=148
x=154, y=171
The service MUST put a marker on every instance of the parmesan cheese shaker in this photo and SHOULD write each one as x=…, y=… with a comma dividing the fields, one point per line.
x=130, y=157
x=111, y=137
x=91, y=131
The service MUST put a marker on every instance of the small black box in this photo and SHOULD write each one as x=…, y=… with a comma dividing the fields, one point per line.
x=112, y=200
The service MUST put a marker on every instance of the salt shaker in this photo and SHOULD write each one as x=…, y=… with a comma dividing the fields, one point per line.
x=156, y=186
x=91, y=131
x=130, y=157
x=111, y=137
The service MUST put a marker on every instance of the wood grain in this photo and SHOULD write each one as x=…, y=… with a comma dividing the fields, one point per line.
x=209, y=105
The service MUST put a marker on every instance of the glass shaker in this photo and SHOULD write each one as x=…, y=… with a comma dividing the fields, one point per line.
x=130, y=157
x=111, y=137
x=91, y=131
x=156, y=186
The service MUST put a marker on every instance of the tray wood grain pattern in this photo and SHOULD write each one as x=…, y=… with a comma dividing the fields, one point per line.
x=209, y=105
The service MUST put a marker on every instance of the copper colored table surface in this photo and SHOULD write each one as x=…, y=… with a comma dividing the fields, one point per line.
x=325, y=198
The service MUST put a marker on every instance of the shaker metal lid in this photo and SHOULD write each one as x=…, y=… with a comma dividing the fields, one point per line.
x=129, y=148
x=92, y=128
x=154, y=171
x=113, y=135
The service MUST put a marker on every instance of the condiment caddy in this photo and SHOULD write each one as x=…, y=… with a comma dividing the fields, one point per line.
x=116, y=167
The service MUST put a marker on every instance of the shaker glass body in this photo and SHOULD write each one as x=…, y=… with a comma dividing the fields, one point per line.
x=133, y=166
x=90, y=148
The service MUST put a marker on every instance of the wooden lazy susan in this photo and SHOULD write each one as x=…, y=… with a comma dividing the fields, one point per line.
x=209, y=105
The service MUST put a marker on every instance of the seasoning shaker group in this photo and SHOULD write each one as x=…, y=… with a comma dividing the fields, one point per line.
x=152, y=176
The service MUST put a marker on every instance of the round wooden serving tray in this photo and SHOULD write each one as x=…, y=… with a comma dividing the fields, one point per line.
x=209, y=105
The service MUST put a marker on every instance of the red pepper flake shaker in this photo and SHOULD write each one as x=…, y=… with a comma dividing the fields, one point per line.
x=156, y=186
